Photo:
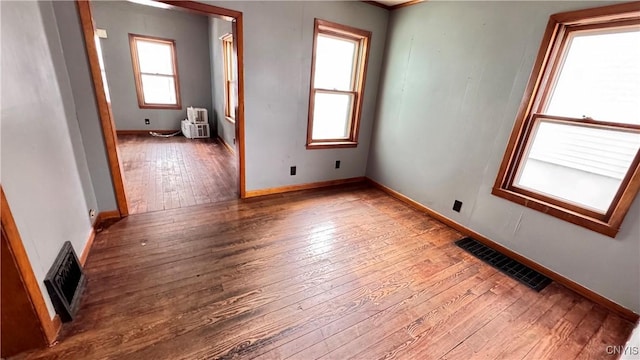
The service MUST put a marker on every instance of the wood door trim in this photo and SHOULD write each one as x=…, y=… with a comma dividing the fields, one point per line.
x=589, y=294
x=104, y=108
x=49, y=326
x=104, y=216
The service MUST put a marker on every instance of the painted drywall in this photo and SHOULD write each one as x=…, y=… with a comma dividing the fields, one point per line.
x=42, y=168
x=453, y=79
x=86, y=109
x=62, y=75
x=190, y=31
x=278, y=42
x=223, y=127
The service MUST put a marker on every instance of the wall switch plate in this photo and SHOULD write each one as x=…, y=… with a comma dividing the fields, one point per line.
x=147, y=122
x=293, y=170
x=337, y=164
x=457, y=205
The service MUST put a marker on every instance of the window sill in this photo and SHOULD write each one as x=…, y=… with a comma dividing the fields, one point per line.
x=230, y=119
x=558, y=212
x=160, y=107
x=331, y=145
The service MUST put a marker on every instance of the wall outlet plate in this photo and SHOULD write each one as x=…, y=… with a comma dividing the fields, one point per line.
x=337, y=164
x=293, y=170
x=147, y=121
x=457, y=205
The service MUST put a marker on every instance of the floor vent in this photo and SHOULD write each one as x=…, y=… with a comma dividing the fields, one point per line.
x=65, y=281
x=507, y=265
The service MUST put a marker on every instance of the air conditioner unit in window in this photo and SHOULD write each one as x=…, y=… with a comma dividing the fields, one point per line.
x=197, y=115
x=195, y=131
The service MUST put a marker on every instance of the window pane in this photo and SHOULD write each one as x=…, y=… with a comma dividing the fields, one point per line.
x=159, y=89
x=231, y=61
x=334, y=63
x=154, y=57
x=103, y=72
x=579, y=164
x=331, y=116
x=600, y=78
x=233, y=93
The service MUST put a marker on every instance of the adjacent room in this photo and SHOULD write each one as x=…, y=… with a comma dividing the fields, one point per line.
x=170, y=84
x=320, y=179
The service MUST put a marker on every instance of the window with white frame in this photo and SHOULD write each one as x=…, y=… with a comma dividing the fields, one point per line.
x=230, y=82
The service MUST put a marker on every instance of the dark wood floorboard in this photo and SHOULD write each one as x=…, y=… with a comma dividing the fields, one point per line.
x=338, y=273
x=169, y=173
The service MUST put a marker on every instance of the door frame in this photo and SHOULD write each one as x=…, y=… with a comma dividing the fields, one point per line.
x=50, y=326
x=104, y=107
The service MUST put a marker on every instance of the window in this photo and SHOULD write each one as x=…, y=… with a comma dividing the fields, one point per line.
x=103, y=70
x=155, y=71
x=574, y=152
x=338, y=74
x=230, y=82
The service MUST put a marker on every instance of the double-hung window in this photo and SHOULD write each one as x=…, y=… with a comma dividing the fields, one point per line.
x=155, y=71
x=338, y=74
x=575, y=150
x=230, y=82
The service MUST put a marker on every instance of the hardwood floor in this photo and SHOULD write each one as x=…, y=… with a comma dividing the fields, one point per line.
x=170, y=173
x=345, y=272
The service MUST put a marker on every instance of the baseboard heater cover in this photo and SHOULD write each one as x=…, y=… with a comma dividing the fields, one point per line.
x=507, y=265
x=65, y=282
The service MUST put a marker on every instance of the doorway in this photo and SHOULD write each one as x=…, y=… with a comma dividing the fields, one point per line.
x=118, y=167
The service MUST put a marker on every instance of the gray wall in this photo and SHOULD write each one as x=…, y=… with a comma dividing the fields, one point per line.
x=190, y=31
x=86, y=109
x=44, y=170
x=224, y=128
x=278, y=41
x=454, y=76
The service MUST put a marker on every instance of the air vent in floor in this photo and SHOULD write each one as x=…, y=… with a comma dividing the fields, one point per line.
x=507, y=265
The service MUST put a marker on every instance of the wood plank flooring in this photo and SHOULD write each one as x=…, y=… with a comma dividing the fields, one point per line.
x=175, y=172
x=344, y=272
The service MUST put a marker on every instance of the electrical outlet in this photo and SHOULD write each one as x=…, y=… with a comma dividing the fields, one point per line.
x=147, y=121
x=337, y=164
x=234, y=141
x=457, y=205
x=293, y=170
x=92, y=213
